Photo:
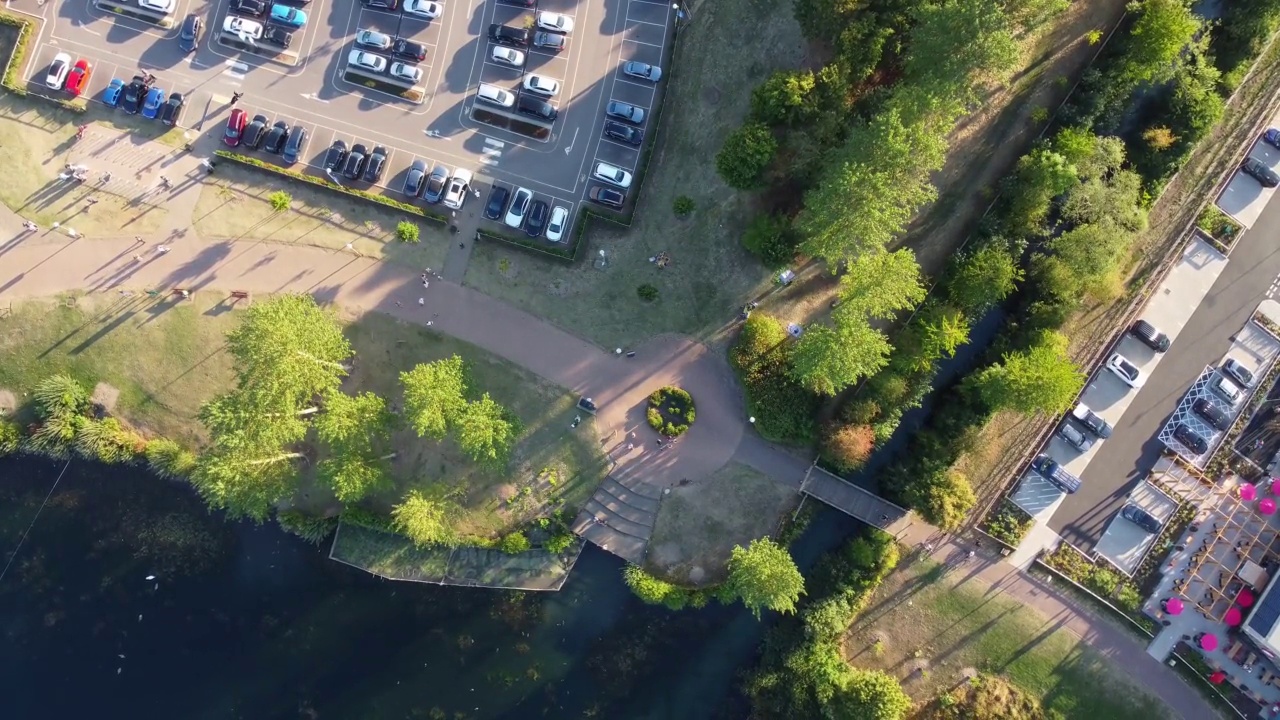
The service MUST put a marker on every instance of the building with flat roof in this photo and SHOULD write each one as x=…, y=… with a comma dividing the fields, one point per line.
x=1263, y=624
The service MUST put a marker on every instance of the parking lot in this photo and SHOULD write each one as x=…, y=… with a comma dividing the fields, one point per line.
x=313, y=84
x=1244, y=197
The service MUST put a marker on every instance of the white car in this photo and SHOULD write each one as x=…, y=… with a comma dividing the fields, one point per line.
x=508, y=56
x=541, y=85
x=367, y=61
x=58, y=70
x=246, y=29
x=160, y=6
x=405, y=72
x=555, y=228
x=496, y=95
x=612, y=174
x=519, y=207
x=424, y=9
x=373, y=40
x=459, y=185
x=1124, y=369
x=555, y=22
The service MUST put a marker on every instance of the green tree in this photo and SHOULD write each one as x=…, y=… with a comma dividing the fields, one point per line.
x=770, y=238
x=763, y=575
x=487, y=431
x=1114, y=200
x=1041, y=176
x=169, y=460
x=357, y=431
x=869, y=695
x=981, y=279
x=1094, y=253
x=958, y=46
x=514, y=543
x=1092, y=156
x=943, y=497
x=828, y=359
x=783, y=98
x=1162, y=30
x=746, y=153
x=10, y=437
x=434, y=395
x=245, y=481
x=289, y=348
x=423, y=520
x=943, y=329
x=880, y=284
x=1041, y=378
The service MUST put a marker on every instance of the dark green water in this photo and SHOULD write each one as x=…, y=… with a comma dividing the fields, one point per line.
x=246, y=621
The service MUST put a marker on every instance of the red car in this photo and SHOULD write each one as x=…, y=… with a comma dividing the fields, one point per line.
x=78, y=79
x=235, y=127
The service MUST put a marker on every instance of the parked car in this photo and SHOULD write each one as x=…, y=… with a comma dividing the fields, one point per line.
x=235, y=127
x=376, y=164
x=1238, y=372
x=245, y=29
x=435, y=184
x=456, y=195
x=540, y=85
x=1123, y=368
x=503, y=35
x=607, y=196
x=1073, y=437
x=405, y=72
x=58, y=70
x=409, y=50
x=1049, y=469
x=625, y=111
x=518, y=3
x=1150, y=336
x=425, y=9
x=644, y=71
x=555, y=227
x=537, y=221
x=550, y=42
x=1211, y=414
x=373, y=40
x=495, y=95
x=1259, y=171
x=1141, y=518
x=508, y=56
x=1272, y=137
x=254, y=132
x=278, y=36
x=158, y=6
x=276, y=138
x=623, y=133
x=252, y=8
x=296, y=145
x=612, y=174
x=354, y=165
x=151, y=107
x=335, y=156
x=367, y=61
x=1190, y=439
x=518, y=208
x=1228, y=390
x=534, y=106
x=189, y=35
x=291, y=16
x=497, y=202
x=111, y=96
x=555, y=22
x=386, y=5
x=1091, y=421
x=131, y=100
x=78, y=78
x=171, y=112
x=415, y=179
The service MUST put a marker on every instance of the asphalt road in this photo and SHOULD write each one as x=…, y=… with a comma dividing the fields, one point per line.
x=1125, y=459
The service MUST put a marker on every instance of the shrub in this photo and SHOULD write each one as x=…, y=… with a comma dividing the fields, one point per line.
x=647, y=292
x=60, y=395
x=10, y=437
x=783, y=98
x=280, y=200
x=1008, y=524
x=423, y=520
x=406, y=232
x=771, y=238
x=107, y=440
x=671, y=411
x=514, y=543
x=1159, y=138
x=559, y=542
x=308, y=527
x=169, y=460
x=1216, y=224
x=942, y=498
x=745, y=155
x=653, y=591
x=848, y=446
x=683, y=206
x=784, y=410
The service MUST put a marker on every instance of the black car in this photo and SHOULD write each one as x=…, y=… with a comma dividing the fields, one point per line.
x=171, y=112
x=1190, y=439
x=277, y=136
x=503, y=35
x=548, y=41
x=518, y=3
x=1259, y=171
x=252, y=8
x=295, y=3
x=388, y=5
x=1150, y=336
x=497, y=204
x=436, y=183
x=355, y=162
x=254, y=132
x=296, y=145
x=1141, y=518
x=536, y=222
x=277, y=36
x=376, y=164
x=133, y=95
x=611, y=197
x=189, y=36
x=409, y=50
x=535, y=106
x=615, y=130
x=414, y=180
x=1211, y=413
x=337, y=153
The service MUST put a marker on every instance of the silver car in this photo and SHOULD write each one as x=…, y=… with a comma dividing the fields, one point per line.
x=1073, y=437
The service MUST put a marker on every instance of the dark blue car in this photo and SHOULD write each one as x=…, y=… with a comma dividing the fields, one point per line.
x=1272, y=137
x=435, y=184
x=151, y=107
x=112, y=95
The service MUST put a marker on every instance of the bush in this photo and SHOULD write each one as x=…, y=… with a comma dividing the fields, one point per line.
x=406, y=232
x=671, y=411
x=647, y=292
x=310, y=528
x=683, y=206
x=1217, y=225
x=847, y=447
x=783, y=98
x=771, y=238
x=10, y=437
x=107, y=440
x=280, y=200
x=514, y=543
x=423, y=520
x=169, y=460
x=745, y=155
x=1008, y=524
x=783, y=409
x=60, y=396
x=559, y=542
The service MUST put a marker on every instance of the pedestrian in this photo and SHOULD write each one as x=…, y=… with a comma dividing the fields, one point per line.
x=426, y=284
x=884, y=519
x=138, y=239
x=430, y=323
x=92, y=201
x=399, y=304
x=422, y=301
x=462, y=246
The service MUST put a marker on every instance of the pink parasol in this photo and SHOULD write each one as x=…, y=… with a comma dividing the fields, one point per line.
x=1248, y=491
x=1245, y=598
x=1209, y=642
x=1173, y=606
x=1217, y=676
x=1233, y=617
x=1267, y=506
x=1275, y=486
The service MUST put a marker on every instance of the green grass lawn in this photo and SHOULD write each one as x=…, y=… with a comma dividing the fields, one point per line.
x=933, y=628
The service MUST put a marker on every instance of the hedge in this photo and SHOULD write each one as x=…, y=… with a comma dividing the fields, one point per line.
x=18, y=57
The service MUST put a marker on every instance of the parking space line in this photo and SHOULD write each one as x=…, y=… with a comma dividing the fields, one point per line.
x=611, y=141
x=618, y=77
x=645, y=22
x=641, y=42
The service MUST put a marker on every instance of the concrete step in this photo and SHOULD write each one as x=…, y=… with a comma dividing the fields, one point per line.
x=628, y=548
x=629, y=496
x=624, y=510
x=639, y=487
x=618, y=522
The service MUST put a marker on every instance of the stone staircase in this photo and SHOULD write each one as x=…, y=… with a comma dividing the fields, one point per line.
x=619, y=518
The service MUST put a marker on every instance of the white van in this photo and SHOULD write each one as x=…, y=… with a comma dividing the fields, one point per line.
x=496, y=95
x=1227, y=390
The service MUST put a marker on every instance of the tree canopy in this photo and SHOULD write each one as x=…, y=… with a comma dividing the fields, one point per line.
x=957, y=46
x=423, y=520
x=981, y=279
x=869, y=695
x=357, y=431
x=486, y=431
x=828, y=359
x=763, y=575
x=1039, y=379
x=434, y=394
x=290, y=349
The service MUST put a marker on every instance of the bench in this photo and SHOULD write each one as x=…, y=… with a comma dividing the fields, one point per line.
x=239, y=295
x=184, y=294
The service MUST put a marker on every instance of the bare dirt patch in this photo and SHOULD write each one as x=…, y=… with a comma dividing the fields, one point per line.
x=8, y=402
x=105, y=395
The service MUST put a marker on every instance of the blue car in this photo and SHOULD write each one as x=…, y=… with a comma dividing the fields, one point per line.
x=290, y=16
x=155, y=98
x=1272, y=137
x=112, y=96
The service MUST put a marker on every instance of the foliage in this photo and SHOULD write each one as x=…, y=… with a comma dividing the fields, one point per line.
x=357, y=430
x=107, y=440
x=647, y=292
x=942, y=330
x=1162, y=30
x=423, y=520
x=847, y=447
x=771, y=238
x=514, y=543
x=654, y=591
x=1244, y=29
x=827, y=360
x=407, y=232
x=1008, y=523
x=1159, y=137
x=1040, y=379
x=942, y=497
x=1216, y=224
x=683, y=205
x=486, y=431
x=869, y=695
x=877, y=285
x=280, y=200
x=745, y=154
x=959, y=46
x=763, y=575
x=978, y=280
x=559, y=542
x=59, y=396
x=784, y=410
x=169, y=460
x=288, y=350
x=671, y=411
x=784, y=97
x=308, y=527
x=1041, y=176
x=435, y=395
x=10, y=437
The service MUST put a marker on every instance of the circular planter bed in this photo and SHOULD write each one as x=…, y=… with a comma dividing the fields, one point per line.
x=671, y=411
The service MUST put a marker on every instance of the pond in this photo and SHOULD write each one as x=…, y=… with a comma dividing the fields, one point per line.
x=240, y=620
